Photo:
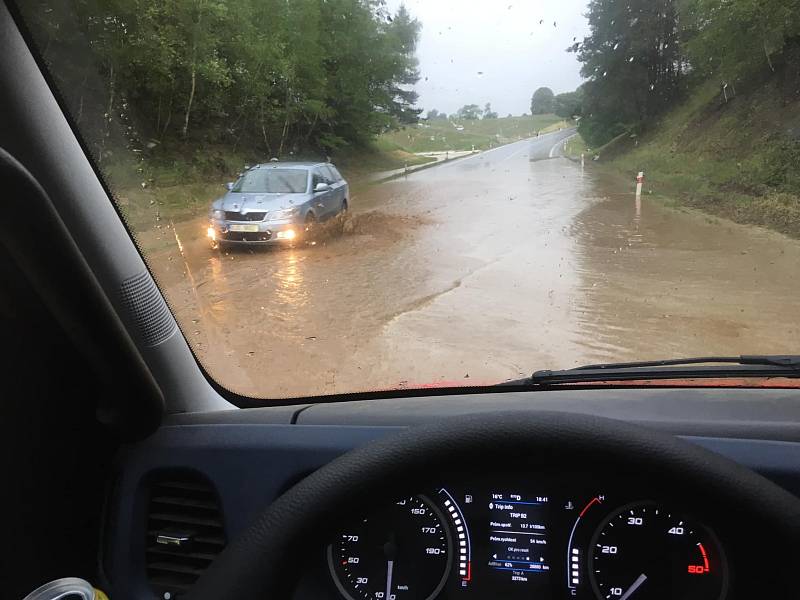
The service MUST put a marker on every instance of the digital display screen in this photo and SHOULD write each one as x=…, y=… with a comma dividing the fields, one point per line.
x=518, y=545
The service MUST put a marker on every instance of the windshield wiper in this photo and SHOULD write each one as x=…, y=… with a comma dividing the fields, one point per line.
x=679, y=368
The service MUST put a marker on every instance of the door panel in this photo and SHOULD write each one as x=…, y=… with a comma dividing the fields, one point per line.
x=323, y=201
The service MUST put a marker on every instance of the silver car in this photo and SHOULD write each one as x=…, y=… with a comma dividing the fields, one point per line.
x=277, y=202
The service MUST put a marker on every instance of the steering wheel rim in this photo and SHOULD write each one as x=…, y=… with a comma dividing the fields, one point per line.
x=263, y=561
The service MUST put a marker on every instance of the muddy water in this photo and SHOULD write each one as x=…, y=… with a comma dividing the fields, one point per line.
x=480, y=270
x=658, y=283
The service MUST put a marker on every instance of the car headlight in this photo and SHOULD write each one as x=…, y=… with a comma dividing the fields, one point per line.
x=218, y=214
x=281, y=215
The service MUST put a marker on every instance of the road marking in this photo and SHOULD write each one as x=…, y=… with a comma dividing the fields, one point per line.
x=560, y=142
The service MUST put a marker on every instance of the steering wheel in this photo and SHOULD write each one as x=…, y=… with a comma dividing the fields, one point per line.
x=266, y=559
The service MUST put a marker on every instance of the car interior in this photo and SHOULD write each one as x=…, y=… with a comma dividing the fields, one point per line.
x=128, y=466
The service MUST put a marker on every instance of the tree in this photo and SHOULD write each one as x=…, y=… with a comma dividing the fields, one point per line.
x=734, y=40
x=633, y=65
x=487, y=112
x=569, y=104
x=543, y=101
x=277, y=76
x=469, y=112
x=432, y=114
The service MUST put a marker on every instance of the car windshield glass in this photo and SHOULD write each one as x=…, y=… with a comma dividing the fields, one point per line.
x=515, y=187
x=273, y=181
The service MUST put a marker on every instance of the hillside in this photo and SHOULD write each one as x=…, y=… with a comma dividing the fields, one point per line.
x=737, y=159
x=441, y=134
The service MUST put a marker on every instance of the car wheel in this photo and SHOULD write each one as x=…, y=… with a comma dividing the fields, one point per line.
x=310, y=227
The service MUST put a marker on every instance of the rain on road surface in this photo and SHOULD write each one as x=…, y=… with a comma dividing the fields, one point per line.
x=478, y=271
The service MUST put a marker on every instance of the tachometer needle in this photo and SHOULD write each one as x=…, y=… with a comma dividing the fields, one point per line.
x=389, y=569
x=639, y=581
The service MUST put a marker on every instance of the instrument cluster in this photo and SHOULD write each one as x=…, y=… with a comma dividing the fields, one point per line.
x=527, y=540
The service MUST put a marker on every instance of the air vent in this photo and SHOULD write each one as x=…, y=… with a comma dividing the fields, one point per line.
x=184, y=531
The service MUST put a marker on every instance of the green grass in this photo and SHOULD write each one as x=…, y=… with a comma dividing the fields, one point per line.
x=575, y=147
x=736, y=160
x=480, y=133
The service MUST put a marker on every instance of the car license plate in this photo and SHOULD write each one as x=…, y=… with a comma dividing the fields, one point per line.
x=247, y=228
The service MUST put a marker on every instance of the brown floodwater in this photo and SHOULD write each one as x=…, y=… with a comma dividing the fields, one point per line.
x=478, y=271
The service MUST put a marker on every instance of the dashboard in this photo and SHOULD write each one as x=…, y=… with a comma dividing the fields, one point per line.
x=509, y=532
x=522, y=537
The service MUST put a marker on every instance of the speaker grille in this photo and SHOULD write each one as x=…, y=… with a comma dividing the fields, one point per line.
x=146, y=309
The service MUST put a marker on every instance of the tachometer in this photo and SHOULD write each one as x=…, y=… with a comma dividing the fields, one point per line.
x=401, y=552
x=645, y=552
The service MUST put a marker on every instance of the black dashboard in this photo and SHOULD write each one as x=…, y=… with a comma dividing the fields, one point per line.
x=508, y=533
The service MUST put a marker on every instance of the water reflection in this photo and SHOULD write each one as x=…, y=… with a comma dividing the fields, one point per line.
x=288, y=279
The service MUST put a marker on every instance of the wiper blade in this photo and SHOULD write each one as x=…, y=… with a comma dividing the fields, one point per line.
x=683, y=368
x=792, y=361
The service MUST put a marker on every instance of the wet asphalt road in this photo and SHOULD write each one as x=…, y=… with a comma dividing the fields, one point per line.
x=482, y=270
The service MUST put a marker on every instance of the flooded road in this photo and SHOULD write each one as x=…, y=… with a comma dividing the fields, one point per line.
x=481, y=270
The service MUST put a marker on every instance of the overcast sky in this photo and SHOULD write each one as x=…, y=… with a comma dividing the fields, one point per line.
x=503, y=40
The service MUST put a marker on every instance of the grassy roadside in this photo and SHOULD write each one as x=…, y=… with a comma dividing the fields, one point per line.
x=737, y=159
x=574, y=147
x=440, y=135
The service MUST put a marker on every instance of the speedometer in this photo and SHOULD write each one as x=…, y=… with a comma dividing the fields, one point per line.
x=646, y=552
x=402, y=552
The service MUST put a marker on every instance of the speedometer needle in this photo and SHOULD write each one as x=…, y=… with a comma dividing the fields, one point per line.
x=389, y=569
x=639, y=581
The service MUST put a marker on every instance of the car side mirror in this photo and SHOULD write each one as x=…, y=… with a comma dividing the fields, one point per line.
x=229, y=186
x=321, y=187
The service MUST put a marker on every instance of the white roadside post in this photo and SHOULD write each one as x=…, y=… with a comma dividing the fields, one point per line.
x=639, y=183
x=583, y=160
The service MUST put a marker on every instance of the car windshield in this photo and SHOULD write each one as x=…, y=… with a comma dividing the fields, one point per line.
x=524, y=185
x=272, y=181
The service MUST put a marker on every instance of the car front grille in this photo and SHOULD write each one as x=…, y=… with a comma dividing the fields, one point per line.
x=246, y=236
x=251, y=216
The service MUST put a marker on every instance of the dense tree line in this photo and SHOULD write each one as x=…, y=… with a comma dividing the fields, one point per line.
x=282, y=76
x=642, y=55
x=468, y=112
x=566, y=106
